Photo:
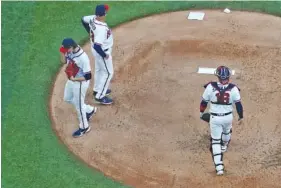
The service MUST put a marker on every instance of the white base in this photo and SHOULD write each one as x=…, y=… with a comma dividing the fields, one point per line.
x=204, y=70
x=196, y=16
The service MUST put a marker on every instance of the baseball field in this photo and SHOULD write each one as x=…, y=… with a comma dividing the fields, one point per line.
x=37, y=147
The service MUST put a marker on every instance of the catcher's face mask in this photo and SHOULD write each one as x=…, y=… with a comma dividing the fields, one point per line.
x=223, y=74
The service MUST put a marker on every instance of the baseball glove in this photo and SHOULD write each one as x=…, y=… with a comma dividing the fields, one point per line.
x=206, y=117
x=71, y=69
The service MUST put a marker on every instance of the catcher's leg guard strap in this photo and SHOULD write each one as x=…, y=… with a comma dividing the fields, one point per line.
x=226, y=133
x=230, y=131
x=219, y=164
x=217, y=154
x=216, y=141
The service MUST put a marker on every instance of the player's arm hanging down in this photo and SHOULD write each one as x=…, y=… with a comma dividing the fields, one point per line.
x=204, y=116
x=238, y=104
x=204, y=104
x=239, y=109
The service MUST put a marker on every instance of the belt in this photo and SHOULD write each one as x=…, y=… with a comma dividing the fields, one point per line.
x=221, y=103
x=220, y=114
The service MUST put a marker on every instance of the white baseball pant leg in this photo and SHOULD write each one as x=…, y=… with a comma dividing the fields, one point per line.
x=68, y=92
x=97, y=71
x=74, y=94
x=103, y=73
x=226, y=132
x=218, y=125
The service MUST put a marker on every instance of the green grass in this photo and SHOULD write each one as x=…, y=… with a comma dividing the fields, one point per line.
x=32, y=156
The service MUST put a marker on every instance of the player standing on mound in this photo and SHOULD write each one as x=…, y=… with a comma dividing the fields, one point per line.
x=78, y=72
x=101, y=42
x=221, y=95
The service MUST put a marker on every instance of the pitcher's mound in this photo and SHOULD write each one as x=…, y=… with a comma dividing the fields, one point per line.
x=152, y=135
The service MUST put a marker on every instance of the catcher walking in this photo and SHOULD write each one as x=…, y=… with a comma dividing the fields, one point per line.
x=78, y=72
x=221, y=96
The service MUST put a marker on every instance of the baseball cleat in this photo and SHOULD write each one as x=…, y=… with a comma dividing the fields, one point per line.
x=90, y=115
x=108, y=91
x=105, y=100
x=220, y=173
x=81, y=132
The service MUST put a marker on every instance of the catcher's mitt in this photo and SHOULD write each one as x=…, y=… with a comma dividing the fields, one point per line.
x=71, y=69
x=206, y=117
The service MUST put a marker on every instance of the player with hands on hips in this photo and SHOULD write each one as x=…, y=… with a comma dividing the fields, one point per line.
x=221, y=95
x=78, y=71
x=101, y=41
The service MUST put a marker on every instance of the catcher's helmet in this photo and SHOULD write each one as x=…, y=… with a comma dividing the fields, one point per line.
x=223, y=73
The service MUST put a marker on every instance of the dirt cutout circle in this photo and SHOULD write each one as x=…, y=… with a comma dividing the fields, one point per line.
x=152, y=135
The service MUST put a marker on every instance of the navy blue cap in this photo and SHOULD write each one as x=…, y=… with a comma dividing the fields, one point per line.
x=68, y=43
x=100, y=10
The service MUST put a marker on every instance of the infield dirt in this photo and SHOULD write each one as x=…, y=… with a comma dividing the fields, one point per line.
x=152, y=135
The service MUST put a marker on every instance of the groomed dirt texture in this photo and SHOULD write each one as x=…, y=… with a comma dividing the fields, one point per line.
x=152, y=135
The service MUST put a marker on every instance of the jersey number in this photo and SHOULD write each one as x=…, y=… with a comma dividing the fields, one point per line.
x=223, y=98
